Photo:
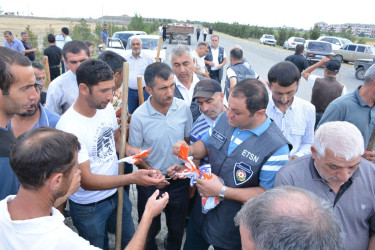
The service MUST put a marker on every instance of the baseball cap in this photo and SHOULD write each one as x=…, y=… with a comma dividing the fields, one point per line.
x=333, y=65
x=206, y=88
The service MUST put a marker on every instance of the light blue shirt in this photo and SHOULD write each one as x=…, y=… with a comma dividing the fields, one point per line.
x=137, y=68
x=271, y=166
x=16, y=45
x=150, y=129
x=297, y=124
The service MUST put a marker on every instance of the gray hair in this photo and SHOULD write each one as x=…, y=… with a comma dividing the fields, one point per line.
x=342, y=138
x=370, y=75
x=288, y=218
x=135, y=37
x=181, y=50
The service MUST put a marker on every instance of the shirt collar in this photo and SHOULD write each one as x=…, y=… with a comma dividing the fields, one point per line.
x=359, y=99
x=179, y=83
x=258, y=130
x=140, y=55
x=291, y=107
x=153, y=111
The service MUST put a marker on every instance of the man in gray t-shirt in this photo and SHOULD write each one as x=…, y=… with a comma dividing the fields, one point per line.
x=336, y=172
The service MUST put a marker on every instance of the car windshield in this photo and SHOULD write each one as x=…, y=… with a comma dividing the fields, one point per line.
x=147, y=43
x=270, y=37
x=317, y=46
x=299, y=40
x=122, y=36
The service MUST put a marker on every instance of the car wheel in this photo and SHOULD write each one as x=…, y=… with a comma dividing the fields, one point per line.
x=360, y=74
x=339, y=58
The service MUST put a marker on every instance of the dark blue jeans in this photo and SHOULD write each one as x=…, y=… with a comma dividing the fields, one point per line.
x=94, y=221
x=175, y=213
x=133, y=99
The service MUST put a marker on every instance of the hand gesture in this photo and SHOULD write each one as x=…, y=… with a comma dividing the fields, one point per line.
x=209, y=188
x=177, y=146
x=171, y=171
x=146, y=178
x=154, y=205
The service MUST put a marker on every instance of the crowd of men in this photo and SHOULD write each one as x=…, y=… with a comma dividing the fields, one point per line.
x=286, y=173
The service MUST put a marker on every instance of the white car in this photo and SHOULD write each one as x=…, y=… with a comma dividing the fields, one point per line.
x=150, y=45
x=268, y=39
x=118, y=41
x=292, y=42
x=337, y=42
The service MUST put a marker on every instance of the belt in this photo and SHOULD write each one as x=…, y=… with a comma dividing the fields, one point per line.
x=101, y=201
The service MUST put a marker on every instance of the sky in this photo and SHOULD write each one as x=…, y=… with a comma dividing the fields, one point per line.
x=271, y=13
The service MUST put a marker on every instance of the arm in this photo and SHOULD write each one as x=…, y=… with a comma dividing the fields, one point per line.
x=308, y=138
x=232, y=83
x=371, y=244
x=198, y=150
x=306, y=73
x=222, y=63
x=200, y=73
x=30, y=50
x=211, y=63
x=153, y=208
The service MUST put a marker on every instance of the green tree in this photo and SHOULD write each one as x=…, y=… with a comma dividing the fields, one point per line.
x=136, y=23
x=361, y=40
x=282, y=36
x=314, y=33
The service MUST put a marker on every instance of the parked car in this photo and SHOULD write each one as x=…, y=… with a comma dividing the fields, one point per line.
x=316, y=50
x=361, y=66
x=150, y=45
x=337, y=42
x=352, y=52
x=292, y=42
x=119, y=40
x=268, y=39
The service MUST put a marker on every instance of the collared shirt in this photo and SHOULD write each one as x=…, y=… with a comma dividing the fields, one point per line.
x=215, y=57
x=311, y=81
x=271, y=166
x=47, y=119
x=137, y=67
x=62, y=93
x=355, y=206
x=297, y=124
x=16, y=45
x=104, y=36
x=187, y=94
x=353, y=109
x=150, y=129
x=67, y=39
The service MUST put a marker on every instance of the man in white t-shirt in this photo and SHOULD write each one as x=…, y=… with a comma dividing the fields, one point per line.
x=28, y=220
x=199, y=53
x=215, y=59
x=92, y=119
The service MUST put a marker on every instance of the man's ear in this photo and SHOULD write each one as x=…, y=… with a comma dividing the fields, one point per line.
x=83, y=89
x=148, y=89
x=260, y=113
x=314, y=153
x=55, y=181
x=269, y=85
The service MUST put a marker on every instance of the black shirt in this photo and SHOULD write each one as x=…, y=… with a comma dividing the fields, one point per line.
x=54, y=54
x=28, y=46
x=299, y=60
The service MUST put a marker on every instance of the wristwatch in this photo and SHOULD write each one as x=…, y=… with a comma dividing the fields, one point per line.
x=221, y=195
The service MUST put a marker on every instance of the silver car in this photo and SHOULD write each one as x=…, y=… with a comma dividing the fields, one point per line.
x=352, y=52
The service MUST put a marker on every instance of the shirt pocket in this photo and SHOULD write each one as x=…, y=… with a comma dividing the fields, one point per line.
x=297, y=131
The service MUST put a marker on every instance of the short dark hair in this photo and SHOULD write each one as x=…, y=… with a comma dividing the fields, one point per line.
x=255, y=93
x=157, y=69
x=201, y=44
x=8, y=58
x=7, y=32
x=51, y=38
x=23, y=33
x=93, y=71
x=41, y=152
x=37, y=65
x=236, y=54
x=114, y=60
x=75, y=47
x=88, y=43
x=65, y=30
x=284, y=74
x=299, y=48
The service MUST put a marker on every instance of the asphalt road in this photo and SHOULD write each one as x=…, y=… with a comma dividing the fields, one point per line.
x=263, y=57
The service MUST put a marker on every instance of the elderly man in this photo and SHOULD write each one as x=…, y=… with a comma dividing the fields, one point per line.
x=63, y=91
x=215, y=59
x=199, y=53
x=92, y=119
x=336, y=172
x=324, y=90
x=294, y=116
x=18, y=95
x=357, y=108
x=245, y=151
x=28, y=219
x=138, y=61
x=13, y=43
x=185, y=78
x=29, y=50
x=285, y=218
x=157, y=124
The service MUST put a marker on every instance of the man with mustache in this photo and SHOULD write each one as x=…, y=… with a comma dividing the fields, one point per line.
x=294, y=116
x=18, y=95
x=93, y=120
x=157, y=124
x=336, y=173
